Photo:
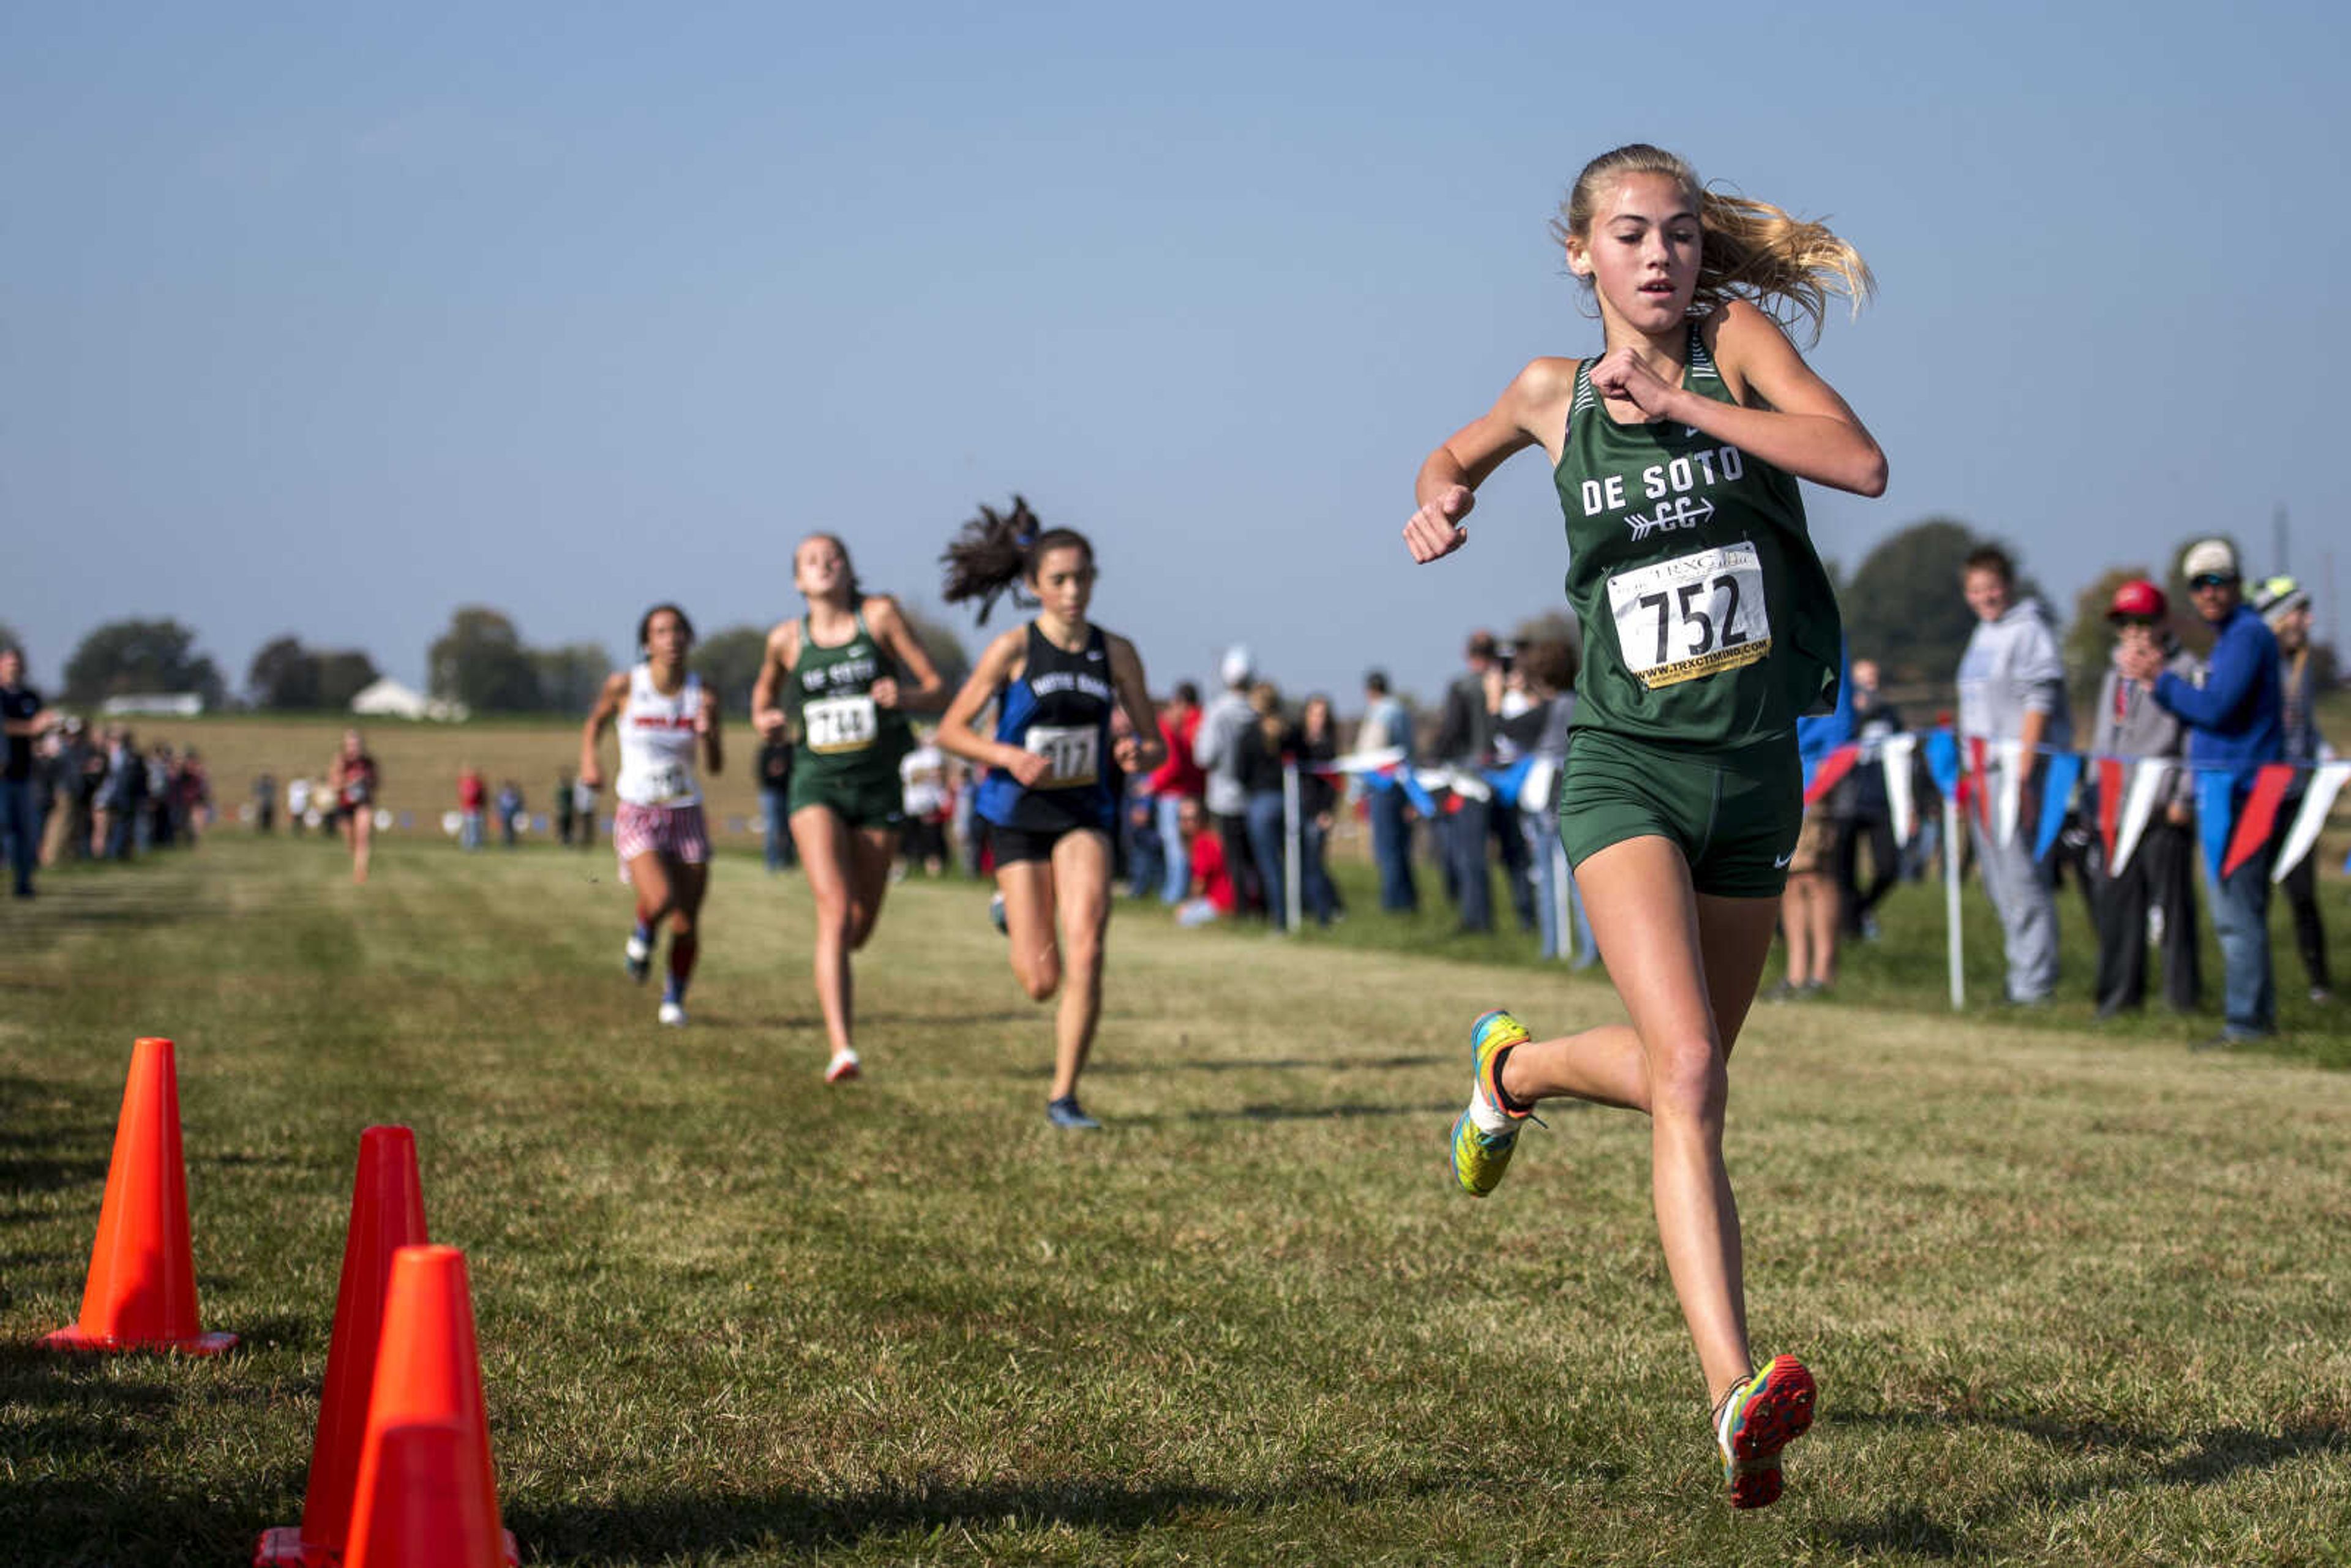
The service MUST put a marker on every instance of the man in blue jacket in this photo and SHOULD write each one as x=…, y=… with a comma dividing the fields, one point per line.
x=2235, y=722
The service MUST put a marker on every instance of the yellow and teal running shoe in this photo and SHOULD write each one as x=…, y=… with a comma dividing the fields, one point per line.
x=1488, y=1132
x=1760, y=1417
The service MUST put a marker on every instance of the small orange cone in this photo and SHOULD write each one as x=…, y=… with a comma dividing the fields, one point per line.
x=142, y=1291
x=387, y=1214
x=427, y=1497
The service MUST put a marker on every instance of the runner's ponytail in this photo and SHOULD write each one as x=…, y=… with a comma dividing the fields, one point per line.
x=997, y=551
x=1786, y=266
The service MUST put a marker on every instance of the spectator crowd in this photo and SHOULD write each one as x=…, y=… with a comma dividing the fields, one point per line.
x=1252, y=779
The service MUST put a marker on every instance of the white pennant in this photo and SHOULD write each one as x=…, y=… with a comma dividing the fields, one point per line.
x=2149, y=781
x=2324, y=785
x=1896, y=752
x=2012, y=788
x=1368, y=761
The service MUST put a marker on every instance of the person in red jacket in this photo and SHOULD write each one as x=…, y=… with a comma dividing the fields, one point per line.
x=1174, y=781
x=1211, y=890
x=473, y=807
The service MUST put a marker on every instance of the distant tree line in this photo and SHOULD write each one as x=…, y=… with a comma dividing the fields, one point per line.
x=480, y=661
x=137, y=658
x=286, y=676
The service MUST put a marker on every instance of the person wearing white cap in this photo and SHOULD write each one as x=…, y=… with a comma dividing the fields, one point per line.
x=2284, y=604
x=2235, y=724
x=1216, y=747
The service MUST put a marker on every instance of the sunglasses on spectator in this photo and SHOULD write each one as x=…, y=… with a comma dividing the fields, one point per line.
x=2213, y=580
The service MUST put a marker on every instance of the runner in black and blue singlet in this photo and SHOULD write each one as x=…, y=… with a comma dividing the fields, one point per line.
x=1048, y=795
x=1058, y=708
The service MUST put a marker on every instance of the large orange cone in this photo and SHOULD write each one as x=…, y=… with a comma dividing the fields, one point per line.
x=387, y=1214
x=141, y=1292
x=427, y=1497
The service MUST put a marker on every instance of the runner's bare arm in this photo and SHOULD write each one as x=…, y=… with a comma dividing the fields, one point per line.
x=608, y=707
x=1532, y=409
x=766, y=692
x=889, y=626
x=1144, y=748
x=955, y=735
x=1807, y=430
x=714, y=756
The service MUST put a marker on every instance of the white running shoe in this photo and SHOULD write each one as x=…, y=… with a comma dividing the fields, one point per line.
x=639, y=957
x=673, y=1014
x=843, y=1066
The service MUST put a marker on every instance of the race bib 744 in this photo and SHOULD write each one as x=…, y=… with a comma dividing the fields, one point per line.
x=840, y=724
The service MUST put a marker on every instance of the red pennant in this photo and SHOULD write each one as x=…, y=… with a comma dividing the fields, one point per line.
x=1831, y=771
x=2259, y=817
x=1979, y=783
x=2110, y=801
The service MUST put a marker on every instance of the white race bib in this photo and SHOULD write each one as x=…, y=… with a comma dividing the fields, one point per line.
x=1072, y=754
x=1691, y=616
x=668, y=781
x=840, y=724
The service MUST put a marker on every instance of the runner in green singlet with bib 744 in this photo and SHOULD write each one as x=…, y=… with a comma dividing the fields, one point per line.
x=843, y=674
x=1708, y=626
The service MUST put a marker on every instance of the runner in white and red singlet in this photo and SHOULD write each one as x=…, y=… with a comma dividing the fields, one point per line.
x=663, y=712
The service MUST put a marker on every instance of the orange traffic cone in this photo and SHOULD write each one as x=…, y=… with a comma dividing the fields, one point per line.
x=141, y=1292
x=387, y=1214
x=427, y=1497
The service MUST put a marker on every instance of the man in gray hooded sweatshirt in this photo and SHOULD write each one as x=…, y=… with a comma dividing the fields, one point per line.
x=2013, y=688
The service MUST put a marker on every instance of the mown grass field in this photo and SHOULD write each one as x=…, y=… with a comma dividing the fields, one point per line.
x=2073, y=1297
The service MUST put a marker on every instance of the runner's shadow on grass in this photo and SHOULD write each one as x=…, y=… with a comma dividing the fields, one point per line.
x=63, y=1148
x=112, y=907
x=78, y=1403
x=1262, y=1111
x=23, y=1173
x=878, y=1020
x=691, y=1526
x=1274, y=1065
x=126, y=1514
x=2201, y=1458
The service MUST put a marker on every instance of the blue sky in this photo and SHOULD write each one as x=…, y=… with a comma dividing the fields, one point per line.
x=326, y=322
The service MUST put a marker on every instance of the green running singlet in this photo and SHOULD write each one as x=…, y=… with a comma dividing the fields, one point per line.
x=1708, y=620
x=849, y=747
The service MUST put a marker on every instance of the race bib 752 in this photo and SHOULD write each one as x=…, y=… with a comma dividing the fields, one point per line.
x=1684, y=618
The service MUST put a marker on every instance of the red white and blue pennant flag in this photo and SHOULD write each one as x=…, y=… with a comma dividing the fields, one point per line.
x=2065, y=772
x=1896, y=753
x=2150, y=781
x=1828, y=770
x=2325, y=784
x=2129, y=792
x=2269, y=789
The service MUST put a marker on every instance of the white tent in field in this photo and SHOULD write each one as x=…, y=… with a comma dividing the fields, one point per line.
x=387, y=698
